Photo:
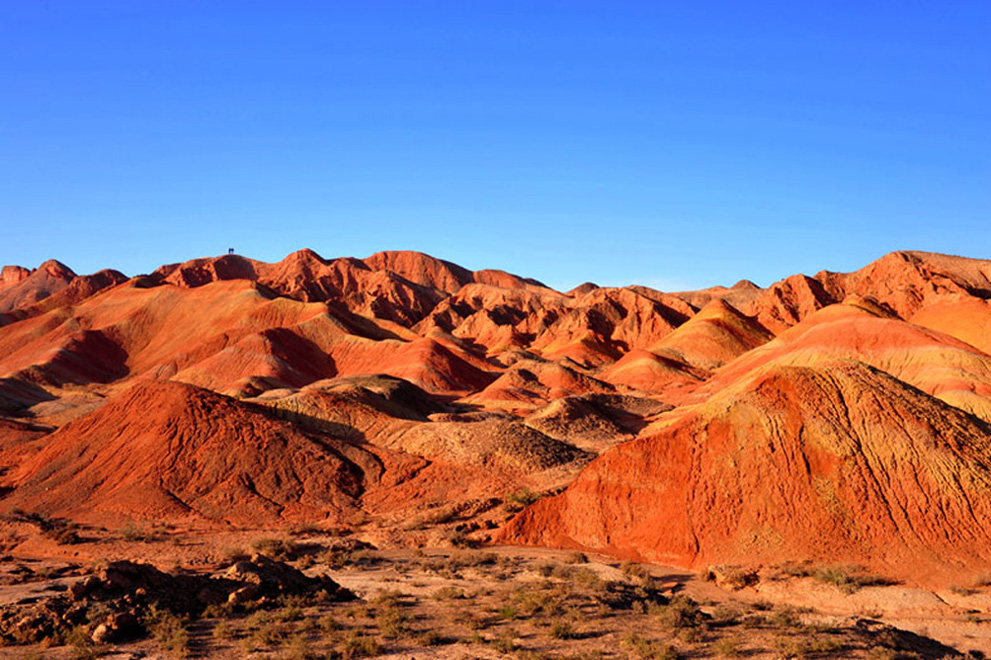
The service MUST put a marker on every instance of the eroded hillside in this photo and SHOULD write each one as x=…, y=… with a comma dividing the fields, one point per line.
x=834, y=417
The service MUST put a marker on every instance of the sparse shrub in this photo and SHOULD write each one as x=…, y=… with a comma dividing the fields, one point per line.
x=578, y=557
x=805, y=645
x=586, y=578
x=82, y=645
x=442, y=567
x=218, y=611
x=358, y=645
x=728, y=647
x=388, y=598
x=393, y=622
x=63, y=534
x=726, y=615
x=298, y=648
x=335, y=558
x=170, y=632
x=649, y=649
x=531, y=602
x=263, y=630
x=786, y=617
x=458, y=539
x=132, y=532
x=682, y=612
x=60, y=530
x=636, y=644
x=224, y=630
x=358, y=612
x=982, y=580
x=691, y=635
x=505, y=643
x=278, y=549
x=870, y=612
x=428, y=638
x=291, y=611
x=836, y=575
x=449, y=593
x=754, y=621
x=231, y=555
x=797, y=569
x=508, y=612
x=822, y=644
x=470, y=620
x=306, y=529
x=562, y=629
x=366, y=558
x=847, y=578
x=882, y=653
x=634, y=570
x=97, y=612
x=472, y=559
x=792, y=647
x=520, y=499
x=437, y=516
x=527, y=654
x=328, y=624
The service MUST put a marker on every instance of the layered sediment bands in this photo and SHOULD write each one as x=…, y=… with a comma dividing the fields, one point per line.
x=167, y=451
x=836, y=463
x=836, y=417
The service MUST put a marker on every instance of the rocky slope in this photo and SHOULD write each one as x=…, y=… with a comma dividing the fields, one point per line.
x=839, y=463
x=731, y=424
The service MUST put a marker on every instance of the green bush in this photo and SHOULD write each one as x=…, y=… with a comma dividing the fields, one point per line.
x=520, y=499
x=170, y=632
x=562, y=629
x=278, y=549
x=358, y=645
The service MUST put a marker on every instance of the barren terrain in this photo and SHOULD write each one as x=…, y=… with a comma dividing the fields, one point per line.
x=399, y=457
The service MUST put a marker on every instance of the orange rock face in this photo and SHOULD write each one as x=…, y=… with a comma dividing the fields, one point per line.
x=20, y=287
x=839, y=463
x=838, y=417
x=170, y=451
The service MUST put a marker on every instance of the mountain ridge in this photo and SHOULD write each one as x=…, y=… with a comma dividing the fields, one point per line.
x=422, y=376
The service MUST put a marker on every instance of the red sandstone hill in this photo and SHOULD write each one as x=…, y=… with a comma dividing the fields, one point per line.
x=215, y=336
x=845, y=406
x=25, y=293
x=20, y=287
x=838, y=463
x=713, y=337
x=933, y=362
x=167, y=451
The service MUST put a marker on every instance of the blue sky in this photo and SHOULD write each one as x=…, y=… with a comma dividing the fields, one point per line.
x=678, y=144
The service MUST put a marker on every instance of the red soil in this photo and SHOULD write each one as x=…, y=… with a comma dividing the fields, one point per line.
x=842, y=416
x=839, y=463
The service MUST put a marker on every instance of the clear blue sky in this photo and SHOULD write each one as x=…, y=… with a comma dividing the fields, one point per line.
x=679, y=144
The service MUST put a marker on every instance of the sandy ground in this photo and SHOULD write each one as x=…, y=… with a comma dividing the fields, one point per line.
x=471, y=603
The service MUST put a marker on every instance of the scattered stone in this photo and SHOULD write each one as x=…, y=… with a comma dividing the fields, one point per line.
x=733, y=578
x=129, y=590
